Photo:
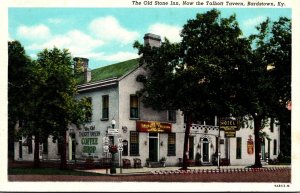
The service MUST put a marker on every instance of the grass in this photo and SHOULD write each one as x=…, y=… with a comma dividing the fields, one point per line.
x=48, y=171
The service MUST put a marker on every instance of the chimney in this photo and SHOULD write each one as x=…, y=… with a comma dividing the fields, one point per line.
x=87, y=75
x=152, y=39
x=82, y=65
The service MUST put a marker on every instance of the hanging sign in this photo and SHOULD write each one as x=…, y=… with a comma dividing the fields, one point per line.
x=153, y=127
x=250, y=146
x=229, y=126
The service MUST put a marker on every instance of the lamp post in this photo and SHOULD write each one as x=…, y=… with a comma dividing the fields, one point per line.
x=113, y=149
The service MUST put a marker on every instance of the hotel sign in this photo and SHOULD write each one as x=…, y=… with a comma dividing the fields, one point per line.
x=153, y=127
x=229, y=126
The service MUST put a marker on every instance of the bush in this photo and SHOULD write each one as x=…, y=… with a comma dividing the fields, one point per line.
x=284, y=159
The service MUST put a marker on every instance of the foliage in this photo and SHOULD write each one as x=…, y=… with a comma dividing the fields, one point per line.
x=193, y=74
x=214, y=70
x=19, y=84
x=49, y=88
x=163, y=159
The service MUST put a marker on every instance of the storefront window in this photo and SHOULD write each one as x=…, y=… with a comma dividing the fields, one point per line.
x=105, y=102
x=134, y=107
x=171, y=144
x=134, y=143
x=238, y=148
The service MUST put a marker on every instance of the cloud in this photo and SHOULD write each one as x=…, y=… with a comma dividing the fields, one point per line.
x=37, y=32
x=55, y=20
x=109, y=29
x=171, y=32
x=250, y=23
x=116, y=57
x=76, y=41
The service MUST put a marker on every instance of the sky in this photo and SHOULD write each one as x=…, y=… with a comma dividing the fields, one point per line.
x=106, y=35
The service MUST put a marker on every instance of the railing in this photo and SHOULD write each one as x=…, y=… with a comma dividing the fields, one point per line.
x=204, y=129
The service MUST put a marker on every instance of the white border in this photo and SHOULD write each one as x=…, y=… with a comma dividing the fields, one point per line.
x=140, y=186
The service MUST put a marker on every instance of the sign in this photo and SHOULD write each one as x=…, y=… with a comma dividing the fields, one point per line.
x=250, y=146
x=105, y=148
x=153, y=127
x=120, y=148
x=105, y=139
x=111, y=131
x=120, y=140
x=120, y=145
x=229, y=126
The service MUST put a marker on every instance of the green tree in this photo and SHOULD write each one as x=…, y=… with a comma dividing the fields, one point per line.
x=195, y=75
x=55, y=104
x=19, y=67
x=48, y=102
x=266, y=79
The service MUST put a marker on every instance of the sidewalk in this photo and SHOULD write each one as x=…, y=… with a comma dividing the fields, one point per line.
x=198, y=169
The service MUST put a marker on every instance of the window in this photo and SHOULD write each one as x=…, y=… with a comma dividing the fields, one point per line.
x=29, y=143
x=134, y=143
x=45, y=146
x=134, y=107
x=172, y=116
x=275, y=147
x=125, y=148
x=171, y=144
x=238, y=148
x=272, y=125
x=88, y=114
x=105, y=102
x=59, y=147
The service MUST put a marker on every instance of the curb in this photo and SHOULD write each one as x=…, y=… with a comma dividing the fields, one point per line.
x=217, y=171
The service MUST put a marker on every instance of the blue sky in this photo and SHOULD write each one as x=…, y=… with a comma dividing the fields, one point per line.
x=106, y=35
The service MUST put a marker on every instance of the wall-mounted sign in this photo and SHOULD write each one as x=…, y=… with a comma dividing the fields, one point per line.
x=250, y=146
x=229, y=126
x=153, y=127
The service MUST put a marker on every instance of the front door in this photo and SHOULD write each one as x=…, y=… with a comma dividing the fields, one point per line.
x=153, y=147
x=205, y=149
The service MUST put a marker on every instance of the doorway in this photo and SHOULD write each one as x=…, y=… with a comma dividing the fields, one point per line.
x=153, y=147
x=205, y=150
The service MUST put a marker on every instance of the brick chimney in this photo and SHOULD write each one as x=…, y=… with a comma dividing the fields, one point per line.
x=152, y=39
x=82, y=65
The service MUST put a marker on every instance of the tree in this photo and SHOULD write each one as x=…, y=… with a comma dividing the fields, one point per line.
x=19, y=66
x=193, y=74
x=42, y=95
x=55, y=103
x=265, y=78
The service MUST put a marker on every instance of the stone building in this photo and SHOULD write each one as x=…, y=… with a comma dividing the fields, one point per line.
x=120, y=118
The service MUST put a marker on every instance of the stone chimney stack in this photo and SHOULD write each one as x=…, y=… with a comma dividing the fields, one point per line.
x=82, y=65
x=152, y=39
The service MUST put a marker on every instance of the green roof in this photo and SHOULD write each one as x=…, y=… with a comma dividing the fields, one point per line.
x=111, y=71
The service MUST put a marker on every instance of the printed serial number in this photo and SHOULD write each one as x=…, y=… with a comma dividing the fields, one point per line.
x=282, y=185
